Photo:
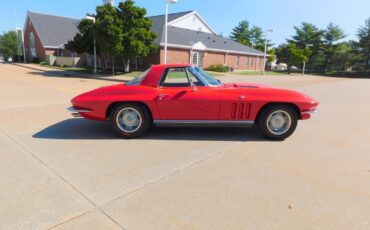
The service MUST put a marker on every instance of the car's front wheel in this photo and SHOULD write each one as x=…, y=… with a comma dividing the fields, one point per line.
x=278, y=122
x=130, y=120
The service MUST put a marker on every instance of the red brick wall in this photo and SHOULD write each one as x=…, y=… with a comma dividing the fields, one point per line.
x=212, y=58
x=40, y=51
x=152, y=59
x=253, y=64
x=178, y=56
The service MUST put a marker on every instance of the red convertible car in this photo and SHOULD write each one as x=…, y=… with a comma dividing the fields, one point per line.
x=183, y=95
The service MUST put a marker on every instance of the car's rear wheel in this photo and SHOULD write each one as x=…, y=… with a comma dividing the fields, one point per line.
x=130, y=120
x=278, y=122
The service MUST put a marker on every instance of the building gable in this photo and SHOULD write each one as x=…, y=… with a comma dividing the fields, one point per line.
x=53, y=31
x=199, y=46
x=192, y=21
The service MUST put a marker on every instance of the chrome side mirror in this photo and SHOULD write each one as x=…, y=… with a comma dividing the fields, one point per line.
x=193, y=85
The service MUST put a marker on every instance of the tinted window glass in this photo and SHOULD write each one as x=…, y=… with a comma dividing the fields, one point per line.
x=138, y=79
x=176, y=77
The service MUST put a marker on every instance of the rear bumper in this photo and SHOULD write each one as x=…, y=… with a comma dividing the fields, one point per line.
x=307, y=114
x=77, y=112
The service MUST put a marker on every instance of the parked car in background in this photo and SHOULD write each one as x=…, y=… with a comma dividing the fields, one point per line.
x=181, y=95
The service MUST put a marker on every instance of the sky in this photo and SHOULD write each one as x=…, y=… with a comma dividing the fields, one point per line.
x=222, y=16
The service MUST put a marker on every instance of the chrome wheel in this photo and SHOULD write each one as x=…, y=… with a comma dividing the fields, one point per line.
x=129, y=120
x=279, y=122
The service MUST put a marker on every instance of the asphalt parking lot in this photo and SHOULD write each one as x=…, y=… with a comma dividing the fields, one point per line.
x=61, y=172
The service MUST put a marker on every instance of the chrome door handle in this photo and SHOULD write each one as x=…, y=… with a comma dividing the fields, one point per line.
x=241, y=97
x=162, y=96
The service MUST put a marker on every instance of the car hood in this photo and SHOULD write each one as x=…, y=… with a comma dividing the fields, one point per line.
x=102, y=91
x=271, y=93
x=245, y=85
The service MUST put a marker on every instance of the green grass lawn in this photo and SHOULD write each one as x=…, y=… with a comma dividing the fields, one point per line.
x=89, y=71
x=347, y=74
x=250, y=73
x=73, y=69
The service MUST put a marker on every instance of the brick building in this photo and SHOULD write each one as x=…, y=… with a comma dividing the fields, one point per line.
x=46, y=35
x=190, y=40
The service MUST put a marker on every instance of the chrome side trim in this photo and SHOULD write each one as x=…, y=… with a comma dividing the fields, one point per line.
x=311, y=111
x=76, y=112
x=202, y=123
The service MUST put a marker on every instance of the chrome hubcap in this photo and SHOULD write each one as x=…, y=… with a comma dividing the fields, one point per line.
x=279, y=122
x=129, y=120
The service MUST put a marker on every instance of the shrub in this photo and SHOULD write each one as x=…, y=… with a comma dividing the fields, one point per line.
x=35, y=60
x=217, y=68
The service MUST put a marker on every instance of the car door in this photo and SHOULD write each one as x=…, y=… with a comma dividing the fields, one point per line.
x=179, y=99
x=236, y=104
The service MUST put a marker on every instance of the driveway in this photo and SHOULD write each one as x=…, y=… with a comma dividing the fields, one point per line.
x=61, y=172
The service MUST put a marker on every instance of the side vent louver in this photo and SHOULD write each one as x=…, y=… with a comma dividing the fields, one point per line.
x=240, y=111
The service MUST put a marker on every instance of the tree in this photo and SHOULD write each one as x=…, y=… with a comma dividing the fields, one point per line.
x=306, y=33
x=108, y=32
x=241, y=33
x=363, y=35
x=105, y=30
x=253, y=37
x=309, y=34
x=84, y=40
x=119, y=32
x=292, y=55
x=272, y=53
x=332, y=35
x=345, y=56
x=257, y=37
x=137, y=39
x=9, y=44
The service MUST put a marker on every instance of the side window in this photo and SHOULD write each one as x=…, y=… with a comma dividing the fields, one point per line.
x=175, y=77
x=192, y=76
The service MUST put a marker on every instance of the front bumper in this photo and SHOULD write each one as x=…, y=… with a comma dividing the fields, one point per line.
x=307, y=114
x=77, y=112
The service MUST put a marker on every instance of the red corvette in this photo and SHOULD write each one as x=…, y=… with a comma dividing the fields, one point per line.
x=183, y=95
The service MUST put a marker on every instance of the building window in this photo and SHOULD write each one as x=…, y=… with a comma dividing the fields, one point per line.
x=32, y=45
x=197, y=59
x=237, y=60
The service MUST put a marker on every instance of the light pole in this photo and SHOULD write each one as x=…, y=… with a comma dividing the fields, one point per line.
x=304, y=63
x=23, y=46
x=93, y=19
x=166, y=29
x=264, y=56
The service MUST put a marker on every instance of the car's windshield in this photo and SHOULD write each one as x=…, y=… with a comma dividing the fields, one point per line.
x=209, y=78
x=137, y=80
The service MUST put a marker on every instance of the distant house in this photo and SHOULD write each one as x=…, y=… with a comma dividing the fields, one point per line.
x=276, y=66
x=190, y=40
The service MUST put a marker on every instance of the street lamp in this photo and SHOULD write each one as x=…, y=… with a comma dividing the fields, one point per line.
x=24, y=50
x=304, y=63
x=94, y=20
x=166, y=29
x=264, y=56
